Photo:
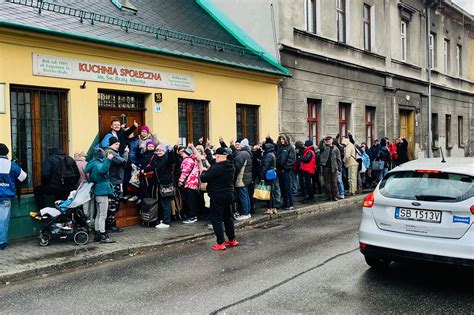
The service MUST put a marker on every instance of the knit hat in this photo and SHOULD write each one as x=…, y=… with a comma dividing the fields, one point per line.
x=3, y=149
x=145, y=128
x=113, y=140
x=308, y=143
x=79, y=155
x=161, y=147
x=244, y=143
x=299, y=144
x=148, y=143
x=222, y=151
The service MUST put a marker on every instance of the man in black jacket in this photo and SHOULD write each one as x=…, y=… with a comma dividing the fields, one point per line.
x=220, y=187
x=57, y=178
x=286, y=158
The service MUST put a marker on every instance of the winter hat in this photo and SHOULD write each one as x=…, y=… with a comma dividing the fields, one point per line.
x=308, y=143
x=3, y=149
x=148, y=143
x=244, y=143
x=145, y=128
x=299, y=144
x=79, y=155
x=113, y=140
x=222, y=151
x=161, y=147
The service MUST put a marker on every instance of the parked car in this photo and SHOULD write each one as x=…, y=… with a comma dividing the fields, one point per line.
x=422, y=210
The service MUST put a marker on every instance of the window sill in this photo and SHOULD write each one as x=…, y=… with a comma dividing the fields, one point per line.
x=406, y=64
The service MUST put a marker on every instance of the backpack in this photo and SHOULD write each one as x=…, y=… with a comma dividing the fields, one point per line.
x=65, y=173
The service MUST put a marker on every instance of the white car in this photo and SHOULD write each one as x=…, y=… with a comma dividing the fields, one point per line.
x=422, y=210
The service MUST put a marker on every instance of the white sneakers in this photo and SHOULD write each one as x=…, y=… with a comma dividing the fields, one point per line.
x=162, y=225
x=132, y=199
x=243, y=217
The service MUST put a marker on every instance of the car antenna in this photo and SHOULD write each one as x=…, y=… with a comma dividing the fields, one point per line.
x=442, y=155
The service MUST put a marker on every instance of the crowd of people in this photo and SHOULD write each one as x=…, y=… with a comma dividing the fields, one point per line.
x=206, y=181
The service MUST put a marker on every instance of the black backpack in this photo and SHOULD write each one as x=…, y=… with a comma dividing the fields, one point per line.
x=65, y=173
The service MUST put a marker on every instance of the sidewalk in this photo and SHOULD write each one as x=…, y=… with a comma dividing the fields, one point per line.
x=24, y=258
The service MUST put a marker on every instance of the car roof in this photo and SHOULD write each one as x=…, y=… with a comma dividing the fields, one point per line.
x=452, y=165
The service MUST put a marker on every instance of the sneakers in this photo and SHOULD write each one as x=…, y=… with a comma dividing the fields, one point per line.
x=340, y=197
x=218, y=246
x=290, y=208
x=104, y=238
x=132, y=199
x=232, y=243
x=3, y=246
x=162, y=225
x=243, y=217
x=190, y=220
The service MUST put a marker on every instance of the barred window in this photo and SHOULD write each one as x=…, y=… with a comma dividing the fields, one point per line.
x=120, y=100
x=39, y=123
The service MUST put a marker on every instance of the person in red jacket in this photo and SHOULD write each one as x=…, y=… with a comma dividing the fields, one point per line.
x=392, y=148
x=308, y=169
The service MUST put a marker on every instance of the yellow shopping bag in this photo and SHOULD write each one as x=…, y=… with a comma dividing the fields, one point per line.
x=262, y=191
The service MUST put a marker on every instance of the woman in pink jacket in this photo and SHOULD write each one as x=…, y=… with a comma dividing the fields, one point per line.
x=189, y=179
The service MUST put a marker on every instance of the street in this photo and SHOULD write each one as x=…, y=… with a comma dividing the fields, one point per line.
x=309, y=264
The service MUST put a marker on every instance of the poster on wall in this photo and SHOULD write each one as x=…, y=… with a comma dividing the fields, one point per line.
x=59, y=67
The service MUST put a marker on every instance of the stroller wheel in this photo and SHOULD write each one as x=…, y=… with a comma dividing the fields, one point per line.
x=81, y=238
x=44, y=239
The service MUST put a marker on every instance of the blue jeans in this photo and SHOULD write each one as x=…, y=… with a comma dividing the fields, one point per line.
x=340, y=185
x=285, y=188
x=243, y=195
x=294, y=182
x=383, y=173
x=5, y=206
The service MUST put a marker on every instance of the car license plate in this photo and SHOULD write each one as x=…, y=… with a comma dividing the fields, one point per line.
x=418, y=215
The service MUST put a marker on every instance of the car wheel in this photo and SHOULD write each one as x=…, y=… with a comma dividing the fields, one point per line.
x=377, y=263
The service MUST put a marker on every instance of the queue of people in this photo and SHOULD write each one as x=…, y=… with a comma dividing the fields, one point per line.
x=201, y=181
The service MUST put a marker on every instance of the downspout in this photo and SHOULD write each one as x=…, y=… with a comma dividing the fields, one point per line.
x=430, y=62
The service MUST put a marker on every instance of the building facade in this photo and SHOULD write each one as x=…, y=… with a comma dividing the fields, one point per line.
x=69, y=68
x=362, y=66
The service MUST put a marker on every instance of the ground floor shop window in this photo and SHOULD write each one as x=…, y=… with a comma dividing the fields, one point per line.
x=193, y=120
x=38, y=123
x=460, y=132
x=247, y=122
x=313, y=116
x=369, y=125
x=434, y=130
x=344, y=111
x=448, y=131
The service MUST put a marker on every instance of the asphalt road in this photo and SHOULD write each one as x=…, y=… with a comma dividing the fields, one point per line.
x=306, y=265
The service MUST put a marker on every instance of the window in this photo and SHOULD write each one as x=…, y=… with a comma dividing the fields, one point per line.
x=311, y=15
x=432, y=45
x=403, y=36
x=459, y=60
x=247, y=122
x=344, y=110
x=367, y=27
x=313, y=114
x=341, y=20
x=39, y=123
x=446, y=56
x=448, y=131
x=369, y=125
x=460, y=131
x=193, y=120
x=434, y=130
x=120, y=100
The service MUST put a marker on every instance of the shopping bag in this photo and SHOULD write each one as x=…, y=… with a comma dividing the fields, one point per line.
x=135, y=178
x=378, y=165
x=262, y=191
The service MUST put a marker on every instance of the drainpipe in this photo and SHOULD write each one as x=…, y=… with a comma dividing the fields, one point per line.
x=430, y=63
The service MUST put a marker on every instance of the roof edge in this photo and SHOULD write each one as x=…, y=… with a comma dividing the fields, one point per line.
x=235, y=30
x=130, y=46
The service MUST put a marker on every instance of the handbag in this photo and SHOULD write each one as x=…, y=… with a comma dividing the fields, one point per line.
x=202, y=186
x=378, y=165
x=271, y=174
x=262, y=191
x=167, y=190
x=150, y=174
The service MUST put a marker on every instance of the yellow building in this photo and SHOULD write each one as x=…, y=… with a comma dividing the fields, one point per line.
x=183, y=70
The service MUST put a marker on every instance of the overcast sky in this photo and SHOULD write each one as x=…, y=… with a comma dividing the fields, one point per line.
x=467, y=5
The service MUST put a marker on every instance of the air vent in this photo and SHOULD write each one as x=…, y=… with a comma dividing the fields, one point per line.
x=125, y=5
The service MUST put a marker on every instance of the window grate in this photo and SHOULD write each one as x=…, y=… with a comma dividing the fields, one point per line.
x=119, y=100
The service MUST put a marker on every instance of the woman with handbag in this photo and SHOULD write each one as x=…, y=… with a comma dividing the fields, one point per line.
x=164, y=161
x=147, y=171
x=189, y=179
x=269, y=174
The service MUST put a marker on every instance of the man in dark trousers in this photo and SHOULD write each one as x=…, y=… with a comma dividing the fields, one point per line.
x=220, y=187
x=59, y=176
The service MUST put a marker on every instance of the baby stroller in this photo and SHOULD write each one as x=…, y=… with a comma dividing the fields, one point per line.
x=69, y=219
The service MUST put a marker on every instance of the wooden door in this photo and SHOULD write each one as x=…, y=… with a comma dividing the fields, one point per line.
x=124, y=116
x=407, y=130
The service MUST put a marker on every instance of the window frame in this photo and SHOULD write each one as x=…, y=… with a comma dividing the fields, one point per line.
x=314, y=13
x=245, y=108
x=461, y=131
x=403, y=40
x=369, y=112
x=432, y=48
x=341, y=18
x=367, y=27
x=459, y=60
x=190, y=104
x=448, y=131
x=446, y=55
x=312, y=119
x=346, y=107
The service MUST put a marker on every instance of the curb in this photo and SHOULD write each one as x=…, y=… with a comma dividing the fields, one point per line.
x=82, y=262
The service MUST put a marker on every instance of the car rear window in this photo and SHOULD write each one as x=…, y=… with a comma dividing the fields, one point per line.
x=437, y=187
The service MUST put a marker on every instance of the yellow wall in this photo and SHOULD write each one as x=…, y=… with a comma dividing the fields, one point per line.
x=222, y=87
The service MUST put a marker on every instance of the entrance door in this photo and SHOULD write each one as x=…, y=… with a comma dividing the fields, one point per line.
x=407, y=130
x=124, y=116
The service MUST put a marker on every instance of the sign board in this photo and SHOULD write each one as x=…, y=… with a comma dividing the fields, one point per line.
x=158, y=97
x=157, y=107
x=59, y=67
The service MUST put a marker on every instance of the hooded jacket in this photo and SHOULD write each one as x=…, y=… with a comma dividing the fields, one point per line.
x=117, y=167
x=98, y=170
x=349, y=153
x=220, y=177
x=285, y=154
x=243, y=167
x=268, y=160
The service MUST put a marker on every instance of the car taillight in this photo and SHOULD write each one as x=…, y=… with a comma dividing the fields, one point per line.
x=472, y=209
x=369, y=201
x=428, y=171
x=363, y=245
